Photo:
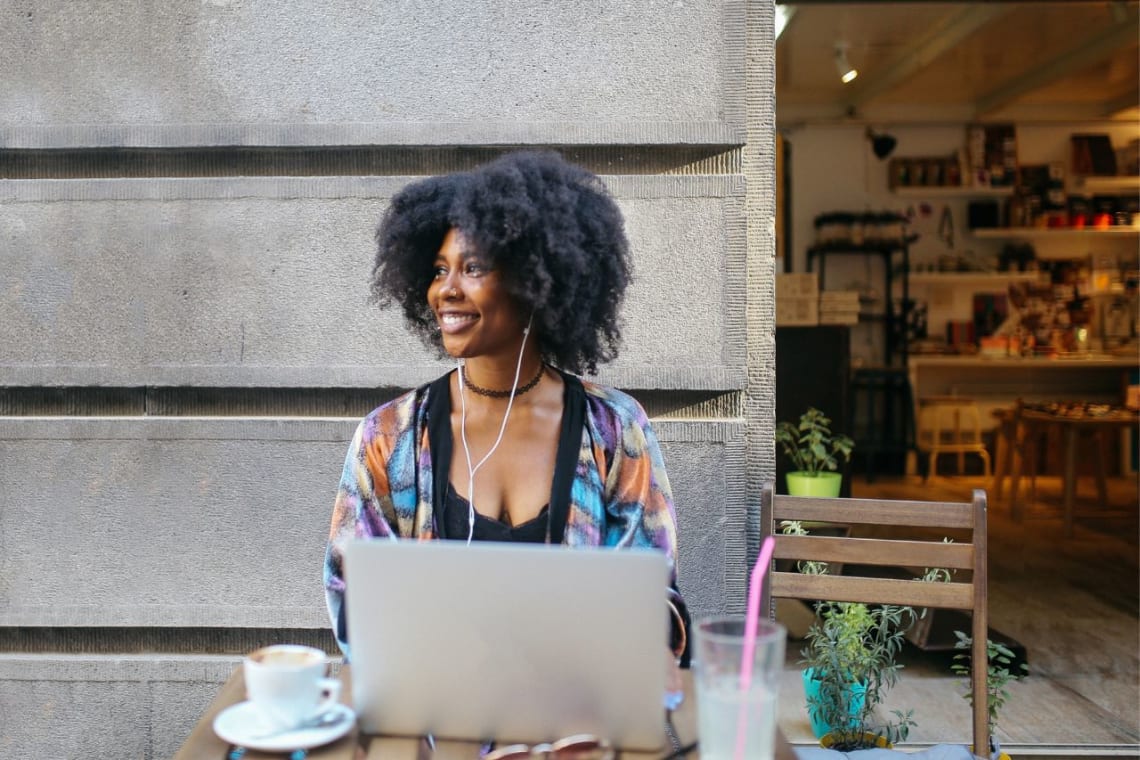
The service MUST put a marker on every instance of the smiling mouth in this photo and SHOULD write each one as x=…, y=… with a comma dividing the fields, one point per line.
x=451, y=322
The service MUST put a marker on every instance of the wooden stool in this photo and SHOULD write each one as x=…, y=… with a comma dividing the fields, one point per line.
x=951, y=425
x=1007, y=448
x=1017, y=450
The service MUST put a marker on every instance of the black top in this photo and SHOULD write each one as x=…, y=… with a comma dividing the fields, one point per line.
x=455, y=516
x=565, y=461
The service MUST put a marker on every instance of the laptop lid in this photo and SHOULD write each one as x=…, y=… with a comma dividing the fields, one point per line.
x=514, y=642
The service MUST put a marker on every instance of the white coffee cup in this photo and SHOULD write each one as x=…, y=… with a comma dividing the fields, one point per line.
x=286, y=684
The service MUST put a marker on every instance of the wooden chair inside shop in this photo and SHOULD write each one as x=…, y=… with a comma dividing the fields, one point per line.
x=967, y=589
x=1018, y=443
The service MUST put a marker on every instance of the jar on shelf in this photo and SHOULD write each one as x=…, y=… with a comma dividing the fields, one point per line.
x=899, y=172
x=934, y=175
x=892, y=227
x=918, y=172
x=872, y=228
x=833, y=227
x=953, y=172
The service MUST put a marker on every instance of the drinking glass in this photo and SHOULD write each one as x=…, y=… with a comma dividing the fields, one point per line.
x=735, y=723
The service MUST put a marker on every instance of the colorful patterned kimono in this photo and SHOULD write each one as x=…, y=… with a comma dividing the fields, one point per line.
x=613, y=481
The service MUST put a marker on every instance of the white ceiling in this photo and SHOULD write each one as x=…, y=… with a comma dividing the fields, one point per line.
x=954, y=62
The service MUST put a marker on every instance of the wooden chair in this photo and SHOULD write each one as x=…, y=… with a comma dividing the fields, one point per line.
x=965, y=556
x=951, y=425
x=1019, y=444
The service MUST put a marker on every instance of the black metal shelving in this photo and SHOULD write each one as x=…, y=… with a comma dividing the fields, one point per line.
x=881, y=407
x=894, y=320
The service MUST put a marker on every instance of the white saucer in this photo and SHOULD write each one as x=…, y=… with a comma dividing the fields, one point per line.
x=241, y=723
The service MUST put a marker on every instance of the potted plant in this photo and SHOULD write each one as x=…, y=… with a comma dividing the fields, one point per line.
x=814, y=452
x=998, y=677
x=849, y=661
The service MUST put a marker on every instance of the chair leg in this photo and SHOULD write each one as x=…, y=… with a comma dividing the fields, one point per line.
x=1071, y=442
x=1101, y=473
x=985, y=455
x=1002, y=455
x=1015, y=481
x=1033, y=454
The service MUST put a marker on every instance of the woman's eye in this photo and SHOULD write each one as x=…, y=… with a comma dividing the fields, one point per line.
x=439, y=272
x=474, y=269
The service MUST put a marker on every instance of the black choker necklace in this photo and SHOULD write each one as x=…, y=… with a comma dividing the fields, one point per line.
x=502, y=394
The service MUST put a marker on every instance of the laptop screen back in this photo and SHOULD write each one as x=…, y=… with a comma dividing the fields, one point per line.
x=513, y=642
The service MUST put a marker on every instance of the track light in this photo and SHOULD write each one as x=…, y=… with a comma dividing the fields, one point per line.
x=784, y=14
x=847, y=72
x=882, y=144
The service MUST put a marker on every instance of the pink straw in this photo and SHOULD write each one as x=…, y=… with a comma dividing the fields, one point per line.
x=751, y=623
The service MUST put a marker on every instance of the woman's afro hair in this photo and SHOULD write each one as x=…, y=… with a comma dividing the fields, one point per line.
x=550, y=229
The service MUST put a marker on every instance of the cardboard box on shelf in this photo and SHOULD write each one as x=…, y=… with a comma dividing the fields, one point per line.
x=800, y=311
x=799, y=285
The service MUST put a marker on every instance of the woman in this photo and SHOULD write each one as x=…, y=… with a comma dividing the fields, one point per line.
x=517, y=270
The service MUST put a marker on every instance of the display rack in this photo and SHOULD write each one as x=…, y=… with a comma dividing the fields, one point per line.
x=880, y=404
x=894, y=323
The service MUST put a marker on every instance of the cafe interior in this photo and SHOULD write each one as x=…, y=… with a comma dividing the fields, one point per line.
x=957, y=233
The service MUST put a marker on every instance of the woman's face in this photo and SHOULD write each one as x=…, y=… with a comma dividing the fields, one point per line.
x=475, y=314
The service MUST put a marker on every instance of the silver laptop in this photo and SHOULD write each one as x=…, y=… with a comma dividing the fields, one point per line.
x=513, y=642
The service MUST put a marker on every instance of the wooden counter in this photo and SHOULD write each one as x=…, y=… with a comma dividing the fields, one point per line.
x=999, y=381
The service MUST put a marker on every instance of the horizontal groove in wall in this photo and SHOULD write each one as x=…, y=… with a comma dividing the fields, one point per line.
x=72, y=402
x=192, y=402
x=691, y=404
x=100, y=640
x=621, y=186
x=118, y=163
x=500, y=133
x=293, y=402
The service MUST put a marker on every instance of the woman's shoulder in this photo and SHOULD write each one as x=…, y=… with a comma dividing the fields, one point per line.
x=613, y=403
x=397, y=415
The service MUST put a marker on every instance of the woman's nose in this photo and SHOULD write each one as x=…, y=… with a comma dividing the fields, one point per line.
x=450, y=286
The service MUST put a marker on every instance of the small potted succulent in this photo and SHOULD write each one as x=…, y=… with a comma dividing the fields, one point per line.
x=814, y=452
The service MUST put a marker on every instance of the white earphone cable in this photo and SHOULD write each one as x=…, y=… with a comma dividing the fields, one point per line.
x=502, y=429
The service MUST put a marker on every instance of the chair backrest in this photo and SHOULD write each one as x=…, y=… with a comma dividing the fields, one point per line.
x=931, y=518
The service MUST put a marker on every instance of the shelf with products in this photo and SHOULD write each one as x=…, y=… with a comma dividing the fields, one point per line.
x=972, y=278
x=1088, y=184
x=932, y=191
x=883, y=247
x=1004, y=233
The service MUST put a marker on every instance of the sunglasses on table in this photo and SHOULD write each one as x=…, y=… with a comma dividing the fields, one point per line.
x=580, y=747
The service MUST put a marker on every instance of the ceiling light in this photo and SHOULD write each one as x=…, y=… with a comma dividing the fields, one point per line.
x=847, y=72
x=784, y=15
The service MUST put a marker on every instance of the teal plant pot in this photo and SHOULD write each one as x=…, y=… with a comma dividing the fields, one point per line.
x=854, y=704
x=823, y=484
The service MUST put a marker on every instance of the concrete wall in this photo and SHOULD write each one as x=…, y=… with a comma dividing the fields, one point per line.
x=185, y=341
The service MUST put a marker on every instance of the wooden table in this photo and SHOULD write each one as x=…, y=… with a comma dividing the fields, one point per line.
x=1073, y=429
x=204, y=744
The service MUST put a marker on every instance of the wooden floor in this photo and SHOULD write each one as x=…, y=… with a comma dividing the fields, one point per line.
x=1073, y=603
